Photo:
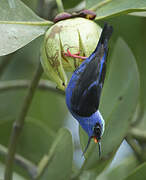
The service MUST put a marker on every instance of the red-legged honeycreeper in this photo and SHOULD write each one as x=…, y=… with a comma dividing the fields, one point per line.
x=84, y=89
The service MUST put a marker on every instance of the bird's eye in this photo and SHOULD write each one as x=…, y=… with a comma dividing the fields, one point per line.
x=97, y=131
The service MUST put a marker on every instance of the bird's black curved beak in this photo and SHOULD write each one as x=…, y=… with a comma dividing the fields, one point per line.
x=89, y=140
x=99, y=148
x=96, y=141
x=99, y=145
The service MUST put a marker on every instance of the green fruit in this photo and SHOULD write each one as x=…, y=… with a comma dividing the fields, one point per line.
x=77, y=35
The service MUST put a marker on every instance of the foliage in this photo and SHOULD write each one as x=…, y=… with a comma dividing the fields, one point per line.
x=45, y=148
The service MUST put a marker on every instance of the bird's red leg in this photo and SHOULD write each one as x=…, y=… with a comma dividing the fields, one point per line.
x=74, y=55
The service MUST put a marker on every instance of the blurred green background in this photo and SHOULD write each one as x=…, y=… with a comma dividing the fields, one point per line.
x=122, y=104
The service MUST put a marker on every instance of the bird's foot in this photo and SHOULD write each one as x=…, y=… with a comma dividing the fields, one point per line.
x=68, y=53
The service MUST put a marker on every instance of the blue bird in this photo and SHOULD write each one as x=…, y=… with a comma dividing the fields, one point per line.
x=84, y=90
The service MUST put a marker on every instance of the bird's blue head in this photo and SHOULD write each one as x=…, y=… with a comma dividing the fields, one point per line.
x=94, y=126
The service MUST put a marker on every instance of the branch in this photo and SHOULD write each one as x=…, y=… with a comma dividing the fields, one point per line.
x=60, y=6
x=18, y=124
x=27, y=165
x=21, y=84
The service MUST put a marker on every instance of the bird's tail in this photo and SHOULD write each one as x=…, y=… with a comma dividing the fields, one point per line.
x=105, y=36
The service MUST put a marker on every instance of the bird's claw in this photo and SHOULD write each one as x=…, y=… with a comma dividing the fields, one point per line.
x=76, y=55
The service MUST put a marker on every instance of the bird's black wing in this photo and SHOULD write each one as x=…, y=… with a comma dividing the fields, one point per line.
x=86, y=93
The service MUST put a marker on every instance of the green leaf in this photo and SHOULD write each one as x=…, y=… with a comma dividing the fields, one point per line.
x=15, y=176
x=90, y=3
x=109, y=8
x=18, y=26
x=118, y=102
x=121, y=170
x=50, y=109
x=136, y=41
x=59, y=159
x=138, y=174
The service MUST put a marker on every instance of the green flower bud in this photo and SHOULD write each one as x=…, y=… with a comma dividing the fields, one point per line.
x=79, y=36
